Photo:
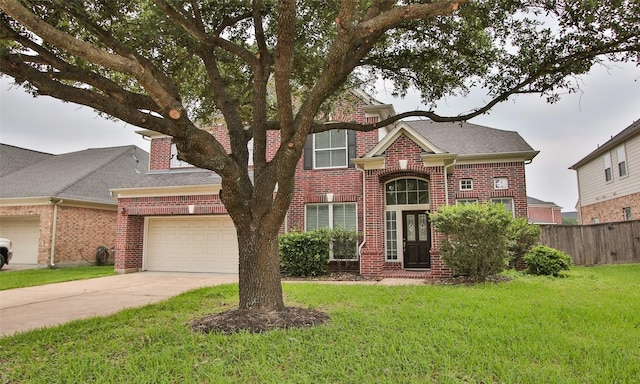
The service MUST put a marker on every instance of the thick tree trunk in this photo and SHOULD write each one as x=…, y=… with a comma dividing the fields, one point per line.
x=260, y=286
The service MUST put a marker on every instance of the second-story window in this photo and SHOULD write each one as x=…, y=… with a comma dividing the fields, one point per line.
x=608, y=176
x=622, y=161
x=330, y=149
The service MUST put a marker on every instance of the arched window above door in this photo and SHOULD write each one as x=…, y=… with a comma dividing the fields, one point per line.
x=407, y=191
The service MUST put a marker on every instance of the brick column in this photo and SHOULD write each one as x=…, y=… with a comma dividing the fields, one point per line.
x=129, y=242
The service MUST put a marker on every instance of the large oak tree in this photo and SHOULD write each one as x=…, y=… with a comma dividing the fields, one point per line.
x=173, y=65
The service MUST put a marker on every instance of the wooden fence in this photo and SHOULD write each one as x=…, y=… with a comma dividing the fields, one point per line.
x=608, y=243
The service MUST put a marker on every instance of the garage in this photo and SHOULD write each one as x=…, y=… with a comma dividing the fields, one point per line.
x=191, y=244
x=24, y=233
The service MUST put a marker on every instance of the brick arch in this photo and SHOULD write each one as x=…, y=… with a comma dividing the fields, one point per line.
x=402, y=174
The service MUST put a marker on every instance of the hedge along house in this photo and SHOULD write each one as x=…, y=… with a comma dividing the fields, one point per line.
x=381, y=183
x=57, y=209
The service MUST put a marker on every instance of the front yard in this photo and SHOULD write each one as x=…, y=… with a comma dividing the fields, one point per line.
x=583, y=328
x=32, y=277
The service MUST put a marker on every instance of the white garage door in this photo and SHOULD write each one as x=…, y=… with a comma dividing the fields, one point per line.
x=191, y=244
x=24, y=233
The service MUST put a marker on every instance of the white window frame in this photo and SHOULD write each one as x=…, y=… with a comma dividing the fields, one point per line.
x=175, y=162
x=331, y=149
x=497, y=183
x=466, y=201
x=608, y=172
x=622, y=161
x=466, y=184
x=331, y=206
x=395, y=255
x=626, y=213
x=502, y=200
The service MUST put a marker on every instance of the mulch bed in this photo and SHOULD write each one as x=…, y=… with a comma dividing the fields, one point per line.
x=252, y=321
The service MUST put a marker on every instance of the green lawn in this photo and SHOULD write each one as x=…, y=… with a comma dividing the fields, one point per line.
x=583, y=328
x=31, y=277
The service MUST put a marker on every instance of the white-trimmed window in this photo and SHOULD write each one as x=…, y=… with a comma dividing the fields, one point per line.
x=627, y=213
x=608, y=176
x=391, y=236
x=466, y=184
x=175, y=163
x=500, y=183
x=333, y=215
x=622, y=161
x=407, y=191
x=330, y=149
x=507, y=203
x=466, y=201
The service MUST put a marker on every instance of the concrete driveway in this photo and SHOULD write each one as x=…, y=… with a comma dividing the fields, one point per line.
x=24, y=309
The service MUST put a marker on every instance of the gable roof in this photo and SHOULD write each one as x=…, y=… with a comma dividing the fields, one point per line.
x=534, y=201
x=84, y=175
x=627, y=133
x=13, y=159
x=469, y=139
x=457, y=140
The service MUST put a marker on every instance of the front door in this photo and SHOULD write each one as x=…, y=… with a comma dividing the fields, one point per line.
x=416, y=239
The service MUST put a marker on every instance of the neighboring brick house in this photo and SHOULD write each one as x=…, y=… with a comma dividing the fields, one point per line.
x=381, y=183
x=57, y=209
x=543, y=212
x=609, y=180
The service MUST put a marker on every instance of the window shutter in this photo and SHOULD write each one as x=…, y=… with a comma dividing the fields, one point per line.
x=351, y=146
x=308, y=153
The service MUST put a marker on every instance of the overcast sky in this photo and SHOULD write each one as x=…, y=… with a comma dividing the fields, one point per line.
x=563, y=132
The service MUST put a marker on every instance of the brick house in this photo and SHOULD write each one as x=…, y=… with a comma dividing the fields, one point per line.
x=380, y=183
x=543, y=212
x=57, y=209
x=609, y=179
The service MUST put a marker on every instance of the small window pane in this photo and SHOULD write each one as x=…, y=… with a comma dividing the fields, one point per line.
x=338, y=158
x=323, y=159
x=412, y=197
x=322, y=140
x=338, y=138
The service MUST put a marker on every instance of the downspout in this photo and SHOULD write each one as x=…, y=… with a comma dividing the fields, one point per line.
x=446, y=183
x=53, y=231
x=364, y=214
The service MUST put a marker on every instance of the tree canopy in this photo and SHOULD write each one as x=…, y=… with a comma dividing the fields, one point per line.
x=174, y=65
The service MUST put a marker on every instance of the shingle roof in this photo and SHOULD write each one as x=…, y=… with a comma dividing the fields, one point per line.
x=533, y=200
x=630, y=131
x=13, y=159
x=84, y=175
x=187, y=177
x=469, y=139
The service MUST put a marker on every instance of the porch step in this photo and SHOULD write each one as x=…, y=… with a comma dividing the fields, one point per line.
x=401, y=274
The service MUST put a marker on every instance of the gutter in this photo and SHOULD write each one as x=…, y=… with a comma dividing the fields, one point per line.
x=446, y=182
x=364, y=214
x=54, y=231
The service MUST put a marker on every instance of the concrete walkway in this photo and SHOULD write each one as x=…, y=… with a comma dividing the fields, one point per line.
x=25, y=309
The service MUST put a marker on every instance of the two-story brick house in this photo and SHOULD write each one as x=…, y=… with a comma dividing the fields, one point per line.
x=609, y=179
x=381, y=183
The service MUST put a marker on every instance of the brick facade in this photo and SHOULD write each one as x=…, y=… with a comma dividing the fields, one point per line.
x=338, y=185
x=546, y=215
x=611, y=210
x=79, y=231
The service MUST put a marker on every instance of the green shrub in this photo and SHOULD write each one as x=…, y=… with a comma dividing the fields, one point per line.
x=543, y=260
x=476, y=241
x=305, y=253
x=523, y=236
